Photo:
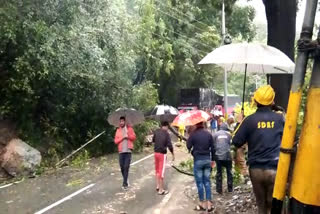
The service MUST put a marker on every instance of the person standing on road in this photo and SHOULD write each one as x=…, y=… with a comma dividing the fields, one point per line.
x=263, y=132
x=124, y=138
x=231, y=123
x=240, y=153
x=214, y=124
x=200, y=143
x=162, y=142
x=222, y=142
x=181, y=129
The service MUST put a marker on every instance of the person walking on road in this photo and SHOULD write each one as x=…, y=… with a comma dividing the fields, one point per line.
x=162, y=142
x=222, y=142
x=263, y=132
x=124, y=138
x=200, y=143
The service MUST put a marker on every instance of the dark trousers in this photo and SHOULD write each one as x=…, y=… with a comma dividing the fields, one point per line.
x=262, y=183
x=124, y=161
x=228, y=165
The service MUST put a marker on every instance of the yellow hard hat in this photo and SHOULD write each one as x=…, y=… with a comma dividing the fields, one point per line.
x=264, y=95
x=222, y=119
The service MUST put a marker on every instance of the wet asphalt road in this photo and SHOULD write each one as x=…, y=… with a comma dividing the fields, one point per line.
x=105, y=194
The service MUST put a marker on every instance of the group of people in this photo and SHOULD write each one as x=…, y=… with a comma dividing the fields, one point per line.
x=261, y=131
x=124, y=138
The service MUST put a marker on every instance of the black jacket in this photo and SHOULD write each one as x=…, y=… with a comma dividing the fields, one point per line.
x=162, y=141
x=263, y=132
x=200, y=143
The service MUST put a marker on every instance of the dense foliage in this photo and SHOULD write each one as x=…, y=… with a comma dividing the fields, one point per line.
x=65, y=65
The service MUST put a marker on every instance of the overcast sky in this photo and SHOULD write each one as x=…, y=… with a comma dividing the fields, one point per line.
x=261, y=17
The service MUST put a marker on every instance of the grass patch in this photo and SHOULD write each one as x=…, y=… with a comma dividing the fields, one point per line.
x=75, y=182
x=81, y=160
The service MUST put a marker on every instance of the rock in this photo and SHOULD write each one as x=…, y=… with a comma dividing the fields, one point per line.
x=7, y=132
x=148, y=140
x=235, y=197
x=3, y=175
x=237, y=188
x=178, y=144
x=20, y=158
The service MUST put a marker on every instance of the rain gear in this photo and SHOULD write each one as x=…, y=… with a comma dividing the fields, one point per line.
x=221, y=142
x=118, y=139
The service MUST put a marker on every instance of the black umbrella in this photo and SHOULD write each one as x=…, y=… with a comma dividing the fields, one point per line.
x=163, y=113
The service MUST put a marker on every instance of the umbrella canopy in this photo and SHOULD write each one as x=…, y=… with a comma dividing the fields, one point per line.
x=163, y=113
x=250, y=57
x=259, y=58
x=191, y=118
x=133, y=117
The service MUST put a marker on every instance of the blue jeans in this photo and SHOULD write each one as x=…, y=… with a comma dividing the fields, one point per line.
x=202, y=172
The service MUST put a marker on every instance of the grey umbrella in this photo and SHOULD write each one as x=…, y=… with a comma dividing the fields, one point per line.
x=163, y=113
x=133, y=117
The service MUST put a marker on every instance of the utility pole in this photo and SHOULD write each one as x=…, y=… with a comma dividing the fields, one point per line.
x=223, y=32
x=304, y=187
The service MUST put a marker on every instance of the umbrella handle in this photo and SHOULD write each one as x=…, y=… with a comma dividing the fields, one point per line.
x=242, y=112
x=244, y=88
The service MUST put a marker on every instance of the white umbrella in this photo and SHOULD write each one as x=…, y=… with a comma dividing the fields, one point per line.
x=250, y=57
x=133, y=117
x=163, y=113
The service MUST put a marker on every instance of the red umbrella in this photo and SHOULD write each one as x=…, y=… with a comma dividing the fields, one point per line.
x=191, y=118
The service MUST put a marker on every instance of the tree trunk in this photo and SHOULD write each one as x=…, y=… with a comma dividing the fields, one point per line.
x=281, y=18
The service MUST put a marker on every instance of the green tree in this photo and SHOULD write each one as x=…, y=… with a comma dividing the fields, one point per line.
x=176, y=35
x=64, y=66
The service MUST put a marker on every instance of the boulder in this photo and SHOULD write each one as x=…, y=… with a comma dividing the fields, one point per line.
x=19, y=158
x=3, y=175
x=7, y=132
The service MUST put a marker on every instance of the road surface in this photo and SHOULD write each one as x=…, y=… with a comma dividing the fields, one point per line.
x=97, y=189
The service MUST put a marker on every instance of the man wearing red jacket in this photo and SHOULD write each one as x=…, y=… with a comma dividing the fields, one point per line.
x=124, y=138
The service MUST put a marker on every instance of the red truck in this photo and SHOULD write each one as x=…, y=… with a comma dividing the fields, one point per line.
x=205, y=99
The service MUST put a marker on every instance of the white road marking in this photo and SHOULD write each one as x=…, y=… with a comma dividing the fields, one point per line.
x=138, y=161
x=7, y=185
x=81, y=190
x=16, y=182
x=165, y=199
x=64, y=199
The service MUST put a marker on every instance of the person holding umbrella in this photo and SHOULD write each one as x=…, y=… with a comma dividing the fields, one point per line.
x=124, y=119
x=162, y=142
x=200, y=143
x=124, y=138
x=263, y=132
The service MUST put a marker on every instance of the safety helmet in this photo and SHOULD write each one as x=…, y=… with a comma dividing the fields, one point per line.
x=264, y=95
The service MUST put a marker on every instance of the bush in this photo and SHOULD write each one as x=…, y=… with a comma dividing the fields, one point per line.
x=237, y=176
x=81, y=159
x=142, y=131
x=187, y=165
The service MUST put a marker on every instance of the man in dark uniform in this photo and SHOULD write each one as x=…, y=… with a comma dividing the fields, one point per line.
x=263, y=132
